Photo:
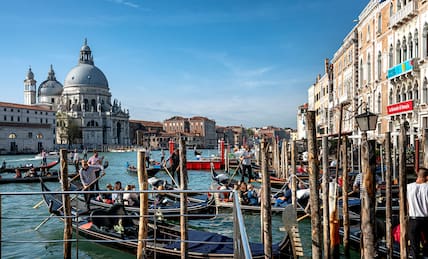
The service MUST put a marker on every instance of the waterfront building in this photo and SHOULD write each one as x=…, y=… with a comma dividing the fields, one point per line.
x=199, y=131
x=26, y=128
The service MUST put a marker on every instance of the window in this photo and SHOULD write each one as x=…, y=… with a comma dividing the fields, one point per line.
x=425, y=39
x=397, y=95
x=416, y=91
x=379, y=99
x=39, y=136
x=19, y=118
x=41, y=121
x=391, y=10
x=361, y=73
x=379, y=23
x=369, y=69
x=11, y=118
x=416, y=41
x=30, y=135
x=12, y=136
x=379, y=65
x=410, y=46
x=425, y=91
x=28, y=119
x=390, y=96
x=404, y=49
x=391, y=56
x=398, y=52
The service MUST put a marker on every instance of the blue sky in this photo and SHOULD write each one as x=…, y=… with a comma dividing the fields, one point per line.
x=237, y=62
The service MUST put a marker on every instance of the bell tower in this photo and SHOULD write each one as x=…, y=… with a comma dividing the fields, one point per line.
x=30, y=88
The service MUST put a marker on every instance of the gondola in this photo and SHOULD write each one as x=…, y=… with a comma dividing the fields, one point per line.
x=354, y=241
x=169, y=207
x=116, y=228
x=49, y=177
x=27, y=167
x=151, y=171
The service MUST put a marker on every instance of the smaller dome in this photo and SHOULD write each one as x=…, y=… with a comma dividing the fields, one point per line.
x=50, y=88
x=85, y=48
x=30, y=74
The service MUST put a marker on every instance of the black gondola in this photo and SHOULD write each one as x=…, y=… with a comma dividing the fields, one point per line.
x=163, y=241
x=26, y=168
x=151, y=171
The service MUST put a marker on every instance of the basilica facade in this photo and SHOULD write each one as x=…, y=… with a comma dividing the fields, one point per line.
x=85, y=113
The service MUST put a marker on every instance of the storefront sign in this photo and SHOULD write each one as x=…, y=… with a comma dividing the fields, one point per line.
x=400, y=69
x=400, y=107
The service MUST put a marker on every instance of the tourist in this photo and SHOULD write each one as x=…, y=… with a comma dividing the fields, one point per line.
x=18, y=173
x=31, y=173
x=246, y=157
x=106, y=197
x=130, y=198
x=243, y=193
x=283, y=198
x=417, y=197
x=117, y=197
x=76, y=160
x=148, y=157
x=87, y=177
x=85, y=154
x=252, y=195
x=44, y=157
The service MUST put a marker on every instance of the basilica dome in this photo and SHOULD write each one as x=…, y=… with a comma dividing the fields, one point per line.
x=86, y=73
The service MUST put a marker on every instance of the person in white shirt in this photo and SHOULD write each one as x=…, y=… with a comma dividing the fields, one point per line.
x=417, y=199
x=246, y=164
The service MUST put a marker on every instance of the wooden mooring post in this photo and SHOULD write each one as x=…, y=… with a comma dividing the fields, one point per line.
x=388, y=204
x=67, y=207
x=183, y=200
x=325, y=194
x=345, y=208
x=144, y=204
x=402, y=144
x=314, y=185
x=266, y=198
x=294, y=171
x=284, y=156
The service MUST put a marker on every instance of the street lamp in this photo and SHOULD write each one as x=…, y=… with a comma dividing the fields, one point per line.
x=367, y=121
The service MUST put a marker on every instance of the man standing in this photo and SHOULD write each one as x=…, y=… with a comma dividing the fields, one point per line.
x=95, y=160
x=417, y=199
x=175, y=165
x=246, y=157
x=87, y=177
x=76, y=160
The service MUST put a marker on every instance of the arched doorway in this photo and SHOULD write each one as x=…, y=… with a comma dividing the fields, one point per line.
x=119, y=131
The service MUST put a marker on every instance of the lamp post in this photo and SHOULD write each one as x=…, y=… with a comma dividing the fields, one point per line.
x=367, y=121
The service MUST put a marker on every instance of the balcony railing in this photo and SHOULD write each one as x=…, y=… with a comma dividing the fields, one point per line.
x=404, y=14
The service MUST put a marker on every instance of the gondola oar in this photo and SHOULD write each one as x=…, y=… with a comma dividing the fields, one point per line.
x=41, y=202
x=84, y=189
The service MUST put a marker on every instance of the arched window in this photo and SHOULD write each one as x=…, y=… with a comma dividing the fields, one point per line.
x=425, y=91
x=416, y=41
x=403, y=93
x=361, y=73
x=379, y=23
x=379, y=65
x=404, y=49
x=391, y=94
x=379, y=99
x=12, y=136
x=416, y=91
x=391, y=56
x=425, y=39
x=86, y=101
x=410, y=46
x=93, y=105
x=398, y=52
x=369, y=69
x=391, y=9
x=398, y=5
x=409, y=92
x=397, y=95
x=39, y=136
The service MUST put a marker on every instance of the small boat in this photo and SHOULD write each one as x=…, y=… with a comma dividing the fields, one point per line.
x=116, y=228
x=151, y=171
x=27, y=167
x=49, y=155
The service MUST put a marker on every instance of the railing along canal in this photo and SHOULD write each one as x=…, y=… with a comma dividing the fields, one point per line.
x=240, y=239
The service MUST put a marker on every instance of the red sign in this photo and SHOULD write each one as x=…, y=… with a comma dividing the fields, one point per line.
x=400, y=107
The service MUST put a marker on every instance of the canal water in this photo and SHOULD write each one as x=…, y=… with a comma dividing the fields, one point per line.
x=19, y=218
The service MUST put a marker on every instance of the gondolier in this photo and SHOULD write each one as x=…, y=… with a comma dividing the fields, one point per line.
x=87, y=177
x=246, y=157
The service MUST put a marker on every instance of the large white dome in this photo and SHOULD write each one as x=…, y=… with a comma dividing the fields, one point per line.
x=85, y=75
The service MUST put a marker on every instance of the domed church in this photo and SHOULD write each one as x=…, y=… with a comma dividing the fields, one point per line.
x=85, y=114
